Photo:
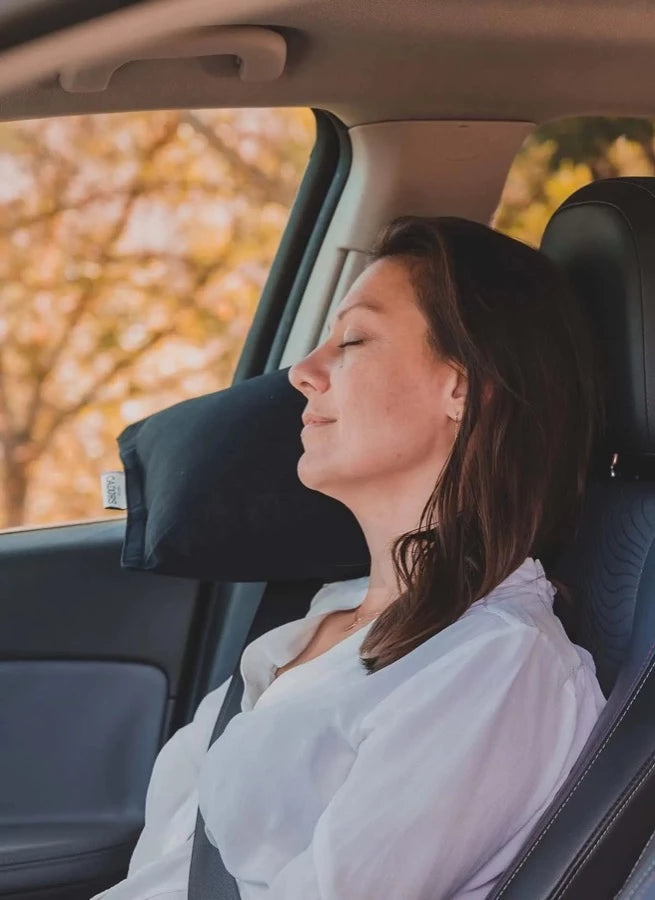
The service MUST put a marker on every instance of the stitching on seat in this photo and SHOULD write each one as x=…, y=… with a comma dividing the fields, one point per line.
x=575, y=872
x=647, y=885
x=581, y=778
x=641, y=855
x=642, y=882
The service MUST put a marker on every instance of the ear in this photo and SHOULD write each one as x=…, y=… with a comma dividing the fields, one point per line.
x=458, y=390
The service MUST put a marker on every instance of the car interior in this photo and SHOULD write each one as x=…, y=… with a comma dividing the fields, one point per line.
x=113, y=630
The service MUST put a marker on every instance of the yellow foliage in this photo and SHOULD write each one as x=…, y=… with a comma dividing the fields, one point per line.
x=564, y=181
x=538, y=182
x=629, y=158
x=133, y=250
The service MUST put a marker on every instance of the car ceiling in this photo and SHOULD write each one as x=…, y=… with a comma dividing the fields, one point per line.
x=366, y=61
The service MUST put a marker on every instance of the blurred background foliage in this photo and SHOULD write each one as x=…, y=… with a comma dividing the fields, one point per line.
x=560, y=157
x=133, y=251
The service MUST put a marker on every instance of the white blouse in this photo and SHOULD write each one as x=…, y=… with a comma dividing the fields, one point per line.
x=420, y=781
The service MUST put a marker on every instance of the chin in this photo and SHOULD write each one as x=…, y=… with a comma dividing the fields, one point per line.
x=316, y=477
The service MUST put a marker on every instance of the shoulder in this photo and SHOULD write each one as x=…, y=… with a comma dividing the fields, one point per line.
x=487, y=667
x=525, y=616
x=508, y=638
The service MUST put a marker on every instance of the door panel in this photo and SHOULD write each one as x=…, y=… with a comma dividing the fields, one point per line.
x=64, y=595
x=96, y=668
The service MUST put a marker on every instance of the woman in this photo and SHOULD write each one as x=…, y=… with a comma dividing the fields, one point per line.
x=402, y=739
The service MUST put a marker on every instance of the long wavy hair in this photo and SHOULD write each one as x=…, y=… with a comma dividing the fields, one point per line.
x=514, y=482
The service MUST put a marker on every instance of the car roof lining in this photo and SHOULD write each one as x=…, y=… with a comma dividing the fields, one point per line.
x=365, y=62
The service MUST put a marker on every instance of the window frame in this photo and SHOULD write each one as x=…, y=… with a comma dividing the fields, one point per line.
x=310, y=216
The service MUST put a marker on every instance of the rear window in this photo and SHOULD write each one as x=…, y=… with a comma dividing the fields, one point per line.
x=562, y=156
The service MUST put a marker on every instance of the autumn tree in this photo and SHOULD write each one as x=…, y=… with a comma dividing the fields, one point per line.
x=560, y=157
x=133, y=250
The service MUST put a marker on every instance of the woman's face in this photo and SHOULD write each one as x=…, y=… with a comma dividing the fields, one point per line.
x=389, y=401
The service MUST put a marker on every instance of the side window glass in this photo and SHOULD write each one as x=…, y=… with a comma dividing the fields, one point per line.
x=562, y=156
x=134, y=248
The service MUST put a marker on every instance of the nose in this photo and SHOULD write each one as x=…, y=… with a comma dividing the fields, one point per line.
x=309, y=375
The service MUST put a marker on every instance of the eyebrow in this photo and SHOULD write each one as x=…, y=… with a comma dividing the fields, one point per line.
x=361, y=304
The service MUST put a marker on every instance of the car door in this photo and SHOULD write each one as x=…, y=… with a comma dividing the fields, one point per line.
x=147, y=257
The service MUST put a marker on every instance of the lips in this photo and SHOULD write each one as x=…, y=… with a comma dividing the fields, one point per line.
x=311, y=419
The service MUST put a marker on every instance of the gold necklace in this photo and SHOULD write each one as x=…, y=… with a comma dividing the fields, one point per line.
x=360, y=619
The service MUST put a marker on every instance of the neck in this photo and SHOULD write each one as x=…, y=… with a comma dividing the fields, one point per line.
x=385, y=509
x=382, y=527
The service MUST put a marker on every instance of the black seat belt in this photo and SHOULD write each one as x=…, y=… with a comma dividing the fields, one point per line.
x=208, y=877
x=279, y=603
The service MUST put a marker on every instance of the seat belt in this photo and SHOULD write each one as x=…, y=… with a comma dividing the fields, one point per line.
x=208, y=877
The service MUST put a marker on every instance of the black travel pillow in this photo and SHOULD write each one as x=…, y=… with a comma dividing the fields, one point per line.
x=213, y=493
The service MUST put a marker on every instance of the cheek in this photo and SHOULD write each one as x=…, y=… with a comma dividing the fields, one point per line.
x=407, y=417
x=374, y=406
x=389, y=408
x=386, y=423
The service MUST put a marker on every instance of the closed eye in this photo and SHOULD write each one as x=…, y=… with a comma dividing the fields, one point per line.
x=349, y=344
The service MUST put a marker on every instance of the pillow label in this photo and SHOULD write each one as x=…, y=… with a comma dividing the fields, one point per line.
x=114, y=495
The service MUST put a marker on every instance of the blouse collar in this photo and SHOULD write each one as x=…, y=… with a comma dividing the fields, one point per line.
x=278, y=646
x=530, y=574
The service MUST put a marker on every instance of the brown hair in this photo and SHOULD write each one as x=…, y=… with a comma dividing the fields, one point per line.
x=514, y=482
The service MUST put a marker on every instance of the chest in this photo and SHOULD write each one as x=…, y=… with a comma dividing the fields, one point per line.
x=331, y=631
x=276, y=767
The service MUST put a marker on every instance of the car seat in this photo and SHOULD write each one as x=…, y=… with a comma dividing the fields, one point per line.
x=641, y=883
x=588, y=839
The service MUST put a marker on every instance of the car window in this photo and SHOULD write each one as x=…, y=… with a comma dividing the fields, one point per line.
x=134, y=248
x=562, y=156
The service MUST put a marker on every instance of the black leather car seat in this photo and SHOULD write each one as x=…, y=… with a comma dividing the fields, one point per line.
x=641, y=883
x=587, y=841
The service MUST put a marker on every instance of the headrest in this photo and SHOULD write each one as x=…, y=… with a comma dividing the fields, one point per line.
x=604, y=238
x=213, y=493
